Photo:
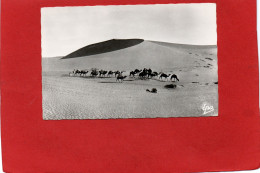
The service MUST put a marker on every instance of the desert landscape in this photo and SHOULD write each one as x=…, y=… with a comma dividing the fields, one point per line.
x=70, y=95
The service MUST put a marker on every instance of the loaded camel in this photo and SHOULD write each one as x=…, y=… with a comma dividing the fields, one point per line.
x=102, y=73
x=142, y=75
x=94, y=73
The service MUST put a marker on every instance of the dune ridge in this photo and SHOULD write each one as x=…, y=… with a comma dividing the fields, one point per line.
x=118, y=44
x=187, y=46
x=146, y=54
x=103, y=47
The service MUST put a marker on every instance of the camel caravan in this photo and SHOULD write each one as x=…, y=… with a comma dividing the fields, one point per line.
x=141, y=74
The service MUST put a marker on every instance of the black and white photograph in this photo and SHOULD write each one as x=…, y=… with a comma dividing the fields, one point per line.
x=129, y=61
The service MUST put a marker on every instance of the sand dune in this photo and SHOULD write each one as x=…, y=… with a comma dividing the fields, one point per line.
x=66, y=97
x=146, y=54
x=104, y=47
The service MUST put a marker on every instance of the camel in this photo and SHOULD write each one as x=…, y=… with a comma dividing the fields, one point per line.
x=72, y=73
x=117, y=73
x=132, y=73
x=153, y=74
x=83, y=73
x=137, y=71
x=154, y=90
x=76, y=71
x=174, y=76
x=80, y=72
x=145, y=70
x=102, y=73
x=149, y=71
x=163, y=75
x=143, y=74
x=120, y=78
x=109, y=73
x=94, y=73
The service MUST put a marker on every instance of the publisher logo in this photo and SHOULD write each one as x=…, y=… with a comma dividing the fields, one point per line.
x=207, y=108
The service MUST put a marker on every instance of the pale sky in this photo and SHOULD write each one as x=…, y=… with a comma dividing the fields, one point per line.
x=66, y=29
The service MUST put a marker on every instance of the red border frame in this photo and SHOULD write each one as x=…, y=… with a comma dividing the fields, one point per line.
x=227, y=142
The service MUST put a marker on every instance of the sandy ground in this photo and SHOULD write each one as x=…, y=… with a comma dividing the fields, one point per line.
x=69, y=97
